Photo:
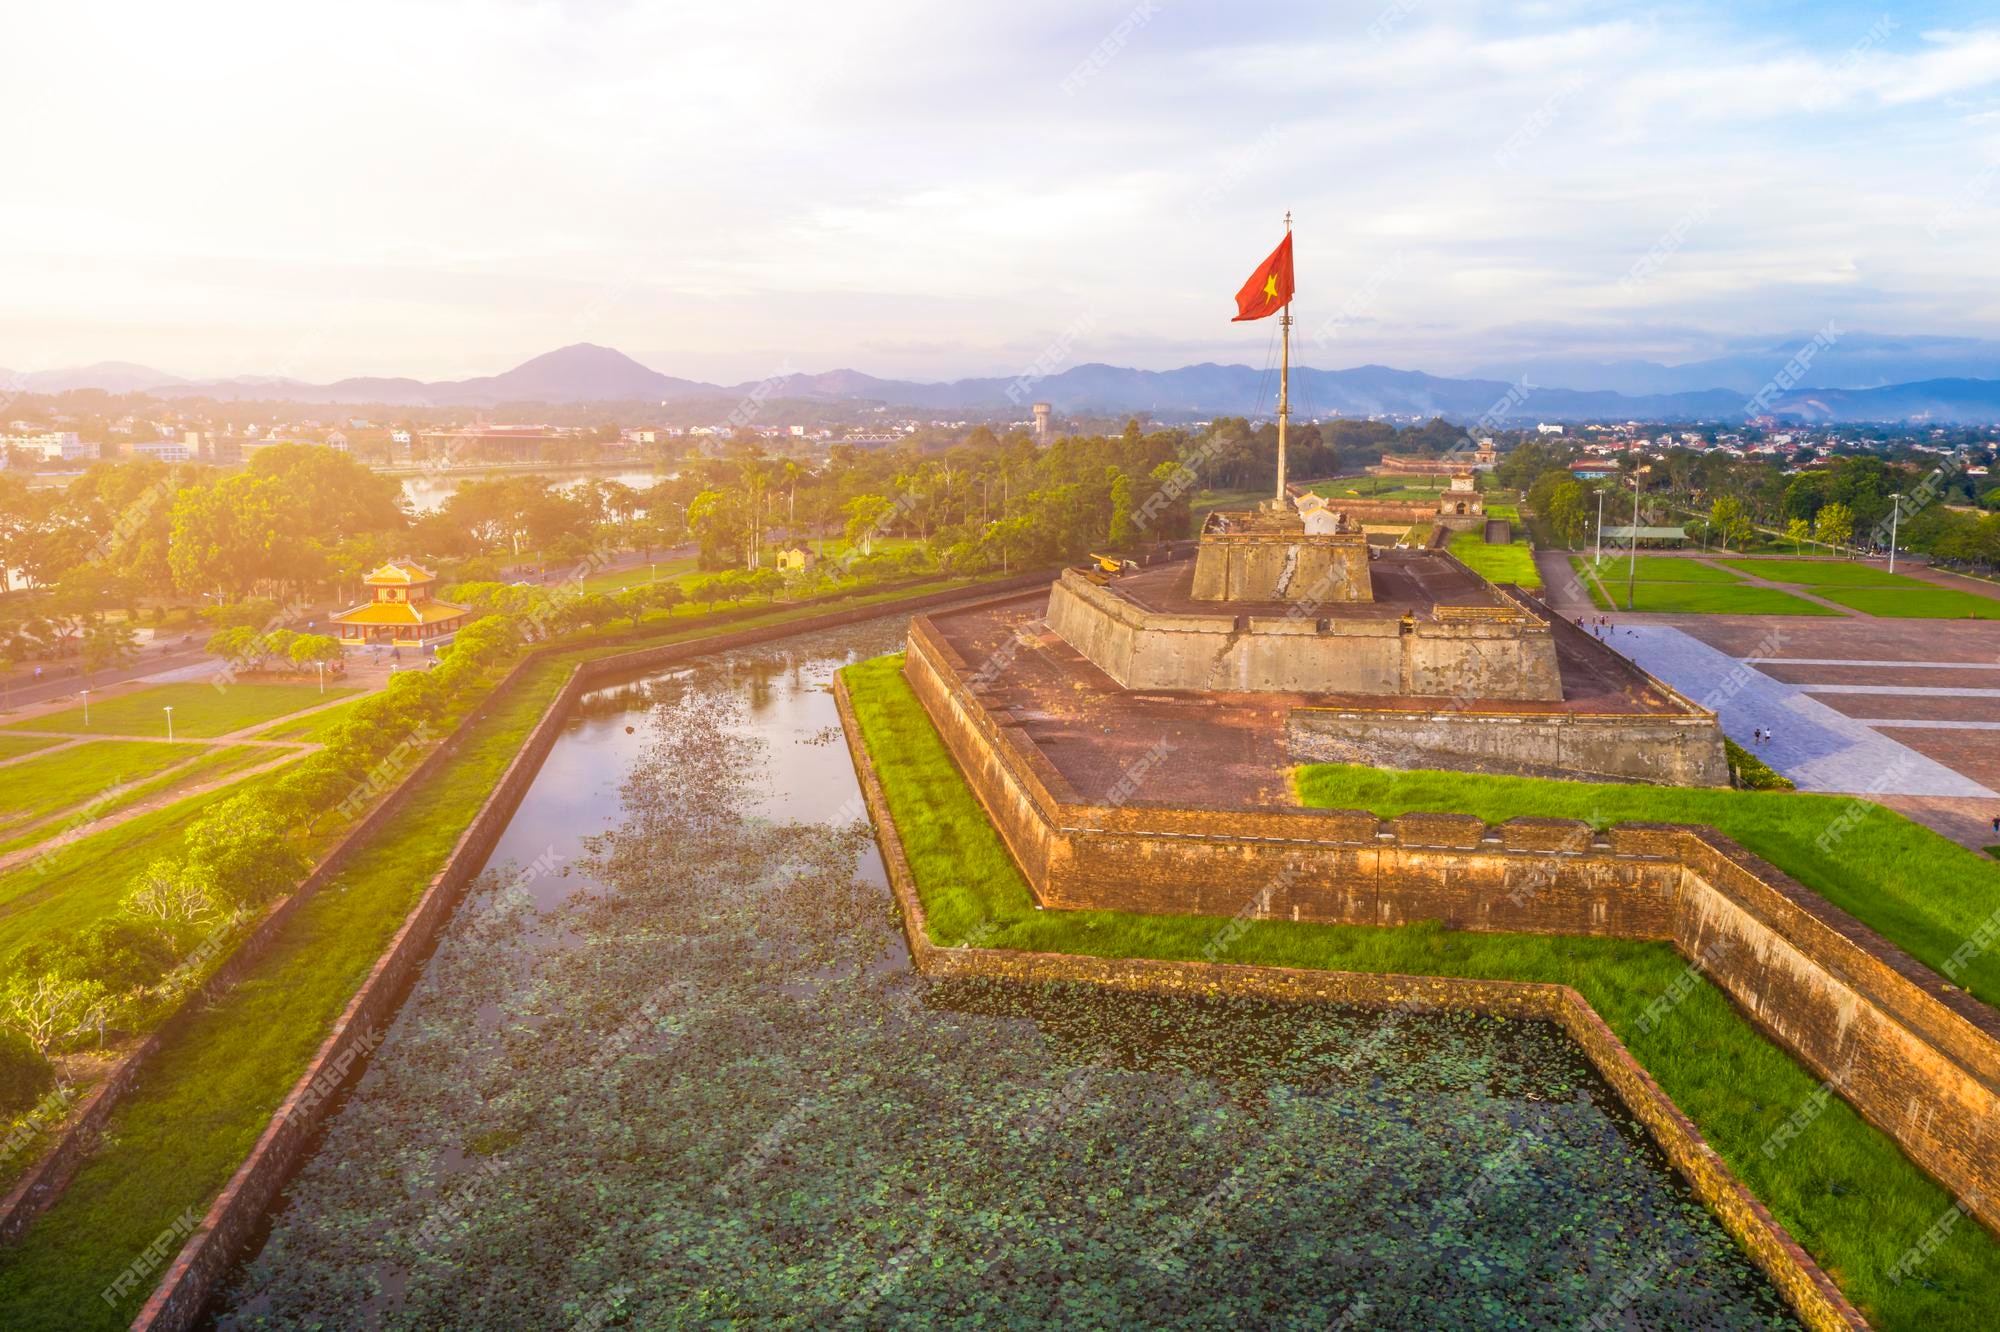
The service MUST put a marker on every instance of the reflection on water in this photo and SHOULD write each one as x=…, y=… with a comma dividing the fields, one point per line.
x=670, y=1068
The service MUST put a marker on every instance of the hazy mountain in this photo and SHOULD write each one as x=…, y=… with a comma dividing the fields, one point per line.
x=1854, y=360
x=588, y=373
x=111, y=376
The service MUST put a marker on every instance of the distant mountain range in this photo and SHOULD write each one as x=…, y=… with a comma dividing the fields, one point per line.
x=1550, y=391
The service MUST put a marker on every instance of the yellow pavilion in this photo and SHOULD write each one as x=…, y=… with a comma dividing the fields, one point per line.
x=403, y=612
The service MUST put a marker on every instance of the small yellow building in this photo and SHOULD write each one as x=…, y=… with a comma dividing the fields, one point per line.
x=796, y=558
x=403, y=612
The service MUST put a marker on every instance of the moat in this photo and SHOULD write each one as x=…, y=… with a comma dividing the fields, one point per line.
x=669, y=1067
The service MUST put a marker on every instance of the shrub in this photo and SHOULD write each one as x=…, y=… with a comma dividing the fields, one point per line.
x=25, y=1075
x=120, y=955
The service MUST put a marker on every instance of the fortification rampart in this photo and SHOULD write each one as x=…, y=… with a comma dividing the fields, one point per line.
x=1916, y=1057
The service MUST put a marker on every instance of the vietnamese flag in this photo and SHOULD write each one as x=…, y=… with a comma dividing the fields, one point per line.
x=1269, y=289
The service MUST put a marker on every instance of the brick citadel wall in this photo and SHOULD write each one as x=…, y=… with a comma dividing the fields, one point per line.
x=1918, y=1058
x=1811, y=1293
x=1484, y=657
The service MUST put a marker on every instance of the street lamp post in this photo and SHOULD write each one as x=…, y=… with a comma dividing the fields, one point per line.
x=86, y=708
x=322, y=676
x=1895, y=512
x=1600, y=529
x=1632, y=566
x=169, y=710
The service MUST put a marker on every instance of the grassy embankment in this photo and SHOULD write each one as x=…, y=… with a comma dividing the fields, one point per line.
x=175, y=1141
x=211, y=762
x=1843, y=1189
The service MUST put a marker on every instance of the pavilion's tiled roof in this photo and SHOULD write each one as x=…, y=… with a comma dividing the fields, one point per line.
x=400, y=612
x=399, y=573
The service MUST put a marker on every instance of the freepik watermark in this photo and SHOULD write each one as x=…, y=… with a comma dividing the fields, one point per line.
x=1808, y=1111
x=1107, y=50
x=1050, y=358
x=1690, y=979
x=1648, y=265
x=752, y=405
x=1933, y=1238
x=329, y=1079
x=1788, y=376
x=166, y=1245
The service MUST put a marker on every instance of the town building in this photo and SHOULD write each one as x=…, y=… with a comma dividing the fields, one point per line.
x=402, y=613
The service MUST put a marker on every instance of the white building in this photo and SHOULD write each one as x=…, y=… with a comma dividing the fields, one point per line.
x=1543, y=428
x=164, y=450
x=47, y=446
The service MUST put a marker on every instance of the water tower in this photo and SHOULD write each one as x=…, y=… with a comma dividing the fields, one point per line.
x=1041, y=410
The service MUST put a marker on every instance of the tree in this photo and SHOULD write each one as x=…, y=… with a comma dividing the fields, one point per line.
x=1566, y=514
x=168, y=895
x=1797, y=531
x=241, y=845
x=309, y=648
x=1835, y=525
x=634, y=602
x=668, y=595
x=240, y=533
x=1726, y=514
x=105, y=646
x=49, y=1009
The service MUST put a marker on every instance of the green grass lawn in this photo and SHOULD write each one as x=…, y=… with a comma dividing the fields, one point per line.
x=1822, y=573
x=36, y=788
x=200, y=710
x=15, y=745
x=1919, y=601
x=1845, y=1192
x=1656, y=569
x=1924, y=892
x=311, y=729
x=175, y=1141
x=1700, y=599
x=1498, y=564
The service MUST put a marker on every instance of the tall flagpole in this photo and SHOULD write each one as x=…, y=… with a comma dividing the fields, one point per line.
x=1284, y=383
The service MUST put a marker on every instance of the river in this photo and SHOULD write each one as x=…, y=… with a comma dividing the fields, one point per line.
x=669, y=1067
x=427, y=491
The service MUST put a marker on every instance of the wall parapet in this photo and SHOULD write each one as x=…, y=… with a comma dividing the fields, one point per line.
x=1804, y=1285
x=1919, y=1059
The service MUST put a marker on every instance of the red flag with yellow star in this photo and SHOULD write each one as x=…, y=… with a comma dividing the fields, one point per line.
x=1269, y=289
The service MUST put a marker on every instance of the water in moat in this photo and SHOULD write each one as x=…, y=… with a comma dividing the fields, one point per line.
x=669, y=1067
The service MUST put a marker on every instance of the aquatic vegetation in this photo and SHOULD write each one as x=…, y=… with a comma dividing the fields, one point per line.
x=705, y=1088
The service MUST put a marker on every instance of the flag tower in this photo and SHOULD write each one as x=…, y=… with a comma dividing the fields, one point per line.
x=1269, y=292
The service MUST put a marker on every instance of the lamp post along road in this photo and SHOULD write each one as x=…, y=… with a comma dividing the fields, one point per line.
x=86, y=709
x=170, y=722
x=1895, y=512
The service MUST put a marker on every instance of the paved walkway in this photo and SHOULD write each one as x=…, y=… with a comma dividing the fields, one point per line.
x=1815, y=746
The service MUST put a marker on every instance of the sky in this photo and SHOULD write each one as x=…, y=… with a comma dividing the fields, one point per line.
x=926, y=190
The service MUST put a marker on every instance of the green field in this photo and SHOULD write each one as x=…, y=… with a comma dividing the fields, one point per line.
x=1821, y=573
x=1920, y=601
x=200, y=710
x=311, y=729
x=1499, y=564
x=1656, y=569
x=1702, y=599
x=15, y=745
x=1853, y=1200
x=37, y=788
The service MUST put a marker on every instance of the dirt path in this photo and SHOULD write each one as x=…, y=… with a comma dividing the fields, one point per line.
x=152, y=803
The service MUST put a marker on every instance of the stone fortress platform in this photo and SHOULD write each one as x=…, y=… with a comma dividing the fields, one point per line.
x=1347, y=653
